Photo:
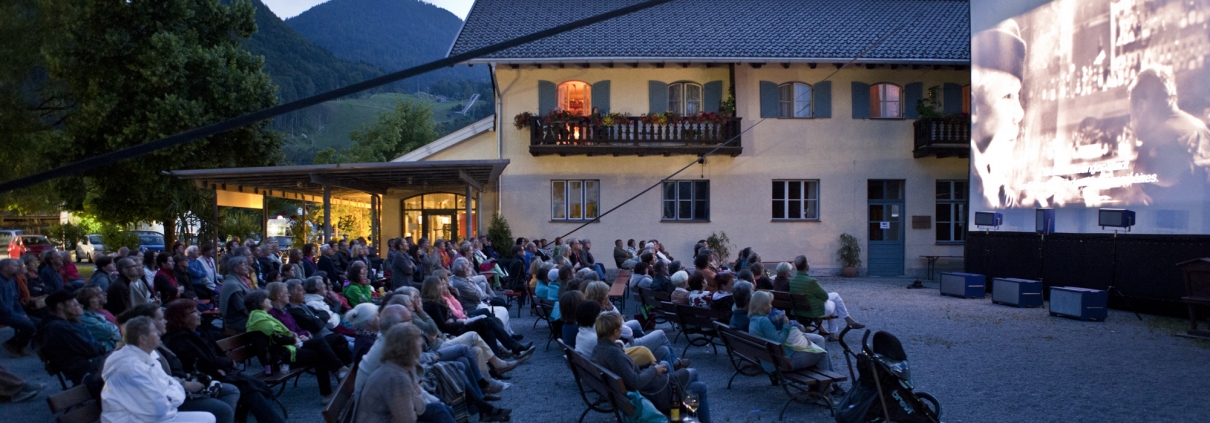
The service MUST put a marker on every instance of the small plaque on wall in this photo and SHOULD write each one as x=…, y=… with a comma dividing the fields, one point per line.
x=922, y=222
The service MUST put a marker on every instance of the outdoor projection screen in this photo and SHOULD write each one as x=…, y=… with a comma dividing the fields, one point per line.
x=1086, y=104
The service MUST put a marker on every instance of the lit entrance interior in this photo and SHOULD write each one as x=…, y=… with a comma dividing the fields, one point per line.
x=436, y=216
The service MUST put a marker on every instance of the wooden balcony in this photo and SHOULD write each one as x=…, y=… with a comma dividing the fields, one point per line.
x=632, y=137
x=943, y=137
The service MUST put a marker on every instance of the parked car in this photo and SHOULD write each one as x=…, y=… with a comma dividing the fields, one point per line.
x=28, y=244
x=6, y=236
x=151, y=241
x=89, y=247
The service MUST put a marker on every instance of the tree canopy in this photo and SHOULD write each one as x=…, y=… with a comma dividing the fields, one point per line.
x=407, y=127
x=130, y=72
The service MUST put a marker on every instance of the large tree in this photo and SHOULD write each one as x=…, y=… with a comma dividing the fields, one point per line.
x=139, y=70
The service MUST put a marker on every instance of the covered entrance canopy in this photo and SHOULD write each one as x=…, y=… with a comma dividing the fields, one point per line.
x=356, y=183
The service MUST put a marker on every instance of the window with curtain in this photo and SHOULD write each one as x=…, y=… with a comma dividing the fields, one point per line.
x=575, y=199
x=796, y=199
x=885, y=101
x=794, y=100
x=685, y=98
x=687, y=200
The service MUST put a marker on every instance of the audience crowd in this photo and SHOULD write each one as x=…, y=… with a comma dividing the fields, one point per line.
x=424, y=329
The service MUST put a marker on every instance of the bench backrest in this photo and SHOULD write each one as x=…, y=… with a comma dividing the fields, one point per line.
x=76, y=404
x=696, y=319
x=543, y=308
x=746, y=346
x=795, y=304
x=238, y=348
x=597, y=378
x=340, y=409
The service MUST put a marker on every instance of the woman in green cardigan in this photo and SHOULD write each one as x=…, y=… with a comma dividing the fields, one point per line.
x=359, y=289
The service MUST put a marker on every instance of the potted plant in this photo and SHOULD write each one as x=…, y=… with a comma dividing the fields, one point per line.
x=522, y=120
x=850, y=255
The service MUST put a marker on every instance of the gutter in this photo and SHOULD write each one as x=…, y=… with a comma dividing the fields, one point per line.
x=714, y=60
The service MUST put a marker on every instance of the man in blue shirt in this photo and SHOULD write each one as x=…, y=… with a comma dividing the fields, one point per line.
x=11, y=312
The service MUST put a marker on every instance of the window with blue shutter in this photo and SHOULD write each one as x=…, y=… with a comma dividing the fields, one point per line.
x=951, y=98
x=769, y=97
x=712, y=98
x=861, y=100
x=913, y=94
x=600, y=96
x=548, y=97
x=657, y=97
x=823, y=99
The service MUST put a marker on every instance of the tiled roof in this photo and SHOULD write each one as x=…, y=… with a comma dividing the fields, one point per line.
x=933, y=31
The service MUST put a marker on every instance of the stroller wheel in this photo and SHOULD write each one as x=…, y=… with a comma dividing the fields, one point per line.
x=931, y=402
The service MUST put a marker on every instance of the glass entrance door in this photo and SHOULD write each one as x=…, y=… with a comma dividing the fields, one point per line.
x=440, y=224
x=886, y=247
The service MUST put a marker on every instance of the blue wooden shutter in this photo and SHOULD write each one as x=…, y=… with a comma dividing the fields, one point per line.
x=600, y=96
x=769, y=96
x=822, y=97
x=712, y=98
x=657, y=96
x=912, y=95
x=952, y=98
x=861, y=100
x=548, y=97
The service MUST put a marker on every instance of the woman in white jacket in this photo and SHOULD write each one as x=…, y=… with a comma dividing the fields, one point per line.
x=136, y=387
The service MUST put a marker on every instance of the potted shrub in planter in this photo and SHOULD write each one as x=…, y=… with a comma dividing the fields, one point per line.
x=850, y=255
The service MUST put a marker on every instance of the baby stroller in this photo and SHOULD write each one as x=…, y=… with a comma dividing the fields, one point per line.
x=882, y=390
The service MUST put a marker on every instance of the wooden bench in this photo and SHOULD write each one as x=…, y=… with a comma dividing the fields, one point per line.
x=75, y=405
x=51, y=369
x=797, y=384
x=592, y=378
x=343, y=405
x=545, y=308
x=697, y=323
x=651, y=301
x=620, y=287
x=240, y=349
x=797, y=307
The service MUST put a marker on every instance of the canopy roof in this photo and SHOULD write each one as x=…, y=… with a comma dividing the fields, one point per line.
x=351, y=181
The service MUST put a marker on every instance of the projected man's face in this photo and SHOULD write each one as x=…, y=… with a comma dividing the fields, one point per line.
x=997, y=113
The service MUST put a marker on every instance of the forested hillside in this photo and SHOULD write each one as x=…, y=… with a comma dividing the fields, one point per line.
x=299, y=66
x=389, y=34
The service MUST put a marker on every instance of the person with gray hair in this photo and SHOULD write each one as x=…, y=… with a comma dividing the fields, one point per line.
x=781, y=280
x=314, y=292
x=371, y=360
x=680, y=295
x=136, y=386
x=236, y=285
x=475, y=294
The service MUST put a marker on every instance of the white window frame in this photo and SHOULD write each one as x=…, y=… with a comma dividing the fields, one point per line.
x=883, y=104
x=576, y=192
x=958, y=203
x=564, y=96
x=679, y=99
x=678, y=201
x=790, y=101
x=808, y=199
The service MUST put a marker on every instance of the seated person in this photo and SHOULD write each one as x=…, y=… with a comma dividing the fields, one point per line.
x=586, y=338
x=680, y=295
x=655, y=381
x=137, y=388
x=12, y=313
x=742, y=292
x=359, y=289
x=661, y=280
x=222, y=406
x=641, y=277
x=447, y=313
x=198, y=352
x=475, y=293
x=781, y=280
x=102, y=330
x=287, y=346
x=568, y=302
x=823, y=303
x=310, y=320
x=722, y=300
x=489, y=363
x=632, y=330
x=392, y=393
x=698, y=295
x=64, y=342
x=763, y=322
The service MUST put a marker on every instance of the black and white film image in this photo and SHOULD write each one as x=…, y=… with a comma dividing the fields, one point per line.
x=1086, y=104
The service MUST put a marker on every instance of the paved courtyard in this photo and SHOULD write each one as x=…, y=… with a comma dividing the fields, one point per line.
x=984, y=362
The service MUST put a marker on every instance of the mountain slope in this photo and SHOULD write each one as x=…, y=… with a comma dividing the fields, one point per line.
x=299, y=66
x=390, y=34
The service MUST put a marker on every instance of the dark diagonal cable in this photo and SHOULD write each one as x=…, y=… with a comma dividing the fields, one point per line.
x=220, y=127
x=661, y=182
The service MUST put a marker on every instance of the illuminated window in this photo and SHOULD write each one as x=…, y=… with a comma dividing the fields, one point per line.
x=575, y=97
x=951, y=211
x=685, y=98
x=794, y=100
x=575, y=199
x=796, y=200
x=885, y=101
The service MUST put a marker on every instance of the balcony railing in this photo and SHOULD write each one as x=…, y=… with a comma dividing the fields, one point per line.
x=632, y=137
x=943, y=137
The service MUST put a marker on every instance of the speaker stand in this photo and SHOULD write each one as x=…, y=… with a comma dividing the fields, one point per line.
x=1113, y=278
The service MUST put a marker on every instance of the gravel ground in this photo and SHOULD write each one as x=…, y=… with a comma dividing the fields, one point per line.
x=984, y=362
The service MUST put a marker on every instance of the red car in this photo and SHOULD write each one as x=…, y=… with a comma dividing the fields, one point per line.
x=28, y=244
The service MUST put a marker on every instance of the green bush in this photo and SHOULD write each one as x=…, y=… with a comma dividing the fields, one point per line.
x=720, y=245
x=115, y=237
x=68, y=234
x=501, y=236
